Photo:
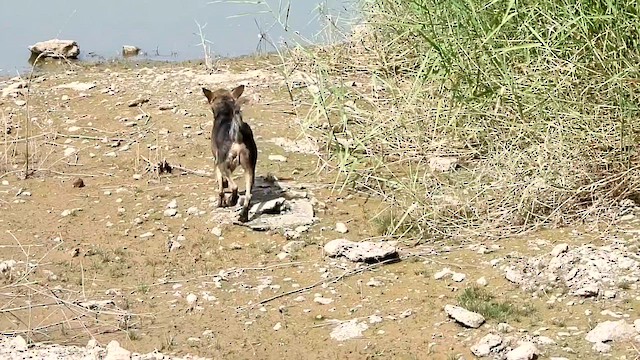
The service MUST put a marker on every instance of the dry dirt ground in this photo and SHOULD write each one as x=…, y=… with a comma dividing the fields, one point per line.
x=143, y=257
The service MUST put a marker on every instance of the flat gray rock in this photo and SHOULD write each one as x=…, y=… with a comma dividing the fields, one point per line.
x=364, y=251
x=464, y=316
x=611, y=331
x=348, y=330
x=526, y=351
x=483, y=347
x=56, y=48
x=291, y=214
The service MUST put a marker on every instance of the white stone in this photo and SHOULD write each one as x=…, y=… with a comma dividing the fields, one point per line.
x=341, y=228
x=464, y=316
x=191, y=299
x=278, y=158
x=322, y=300
x=559, y=249
x=483, y=347
x=170, y=212
x=70, y=151
x=115, y=352
x=18, y=343
x=442, y=273
x=56, y=48
x=348, y=330
x=216, y=231
x=360, y=251
x=525, y=351
x=611, y=331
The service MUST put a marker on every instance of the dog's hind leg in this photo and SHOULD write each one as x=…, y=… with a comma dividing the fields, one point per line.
x=249, y=179
x=234, y=192
x=221, y=181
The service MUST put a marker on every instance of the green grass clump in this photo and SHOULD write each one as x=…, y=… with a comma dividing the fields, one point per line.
x=480, y=301
x=537, y=101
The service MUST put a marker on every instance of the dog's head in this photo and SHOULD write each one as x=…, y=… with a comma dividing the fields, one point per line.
x=223, y=101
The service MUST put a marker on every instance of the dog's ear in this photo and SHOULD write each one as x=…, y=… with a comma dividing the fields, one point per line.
x=237, y=92
x=209, y=94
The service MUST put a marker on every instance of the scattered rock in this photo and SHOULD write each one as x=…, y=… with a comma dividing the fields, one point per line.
x=18, y=343
x=559, y=249
x=514, y=276
x=443, y=164
x=526, y=351
x=303, y=146
x=322, y=300
x=130, y=50
x=585, y=271
x=167, y=106
x=148, y=234
x=601, y=347
x=77, y=86
x=78, y=183
x=482, y=281
x=68, y=212
x=442, y=273
x=116, y=352
x=14, y=89
x=216, y=231
x=588, y=290
x=274, y=206
x=349, y=330
x=277, y=326
x=504, y=328
x=174, y=245
x=544, y=340
x=70, y=151
x=293, y=246
x=611, y=331
x=458, y=277
x=173, y=204
x=293, y=213
x=483, y=347
x=138, y=102
x=365, y=251
x=464, y=316
x=279, y=158
x=341, y=228
x=170, y=212
x=56, y=48
x=191, y=299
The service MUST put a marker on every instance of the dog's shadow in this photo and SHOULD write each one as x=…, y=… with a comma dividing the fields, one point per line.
x=265, y=189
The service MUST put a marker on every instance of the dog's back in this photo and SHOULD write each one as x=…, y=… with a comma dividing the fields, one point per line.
x=232, y=144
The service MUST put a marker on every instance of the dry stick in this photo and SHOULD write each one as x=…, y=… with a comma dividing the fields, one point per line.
x=335, y=279
x=28, y=125
x=39, y=329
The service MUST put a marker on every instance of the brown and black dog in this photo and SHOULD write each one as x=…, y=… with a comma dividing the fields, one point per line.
x=232, y=144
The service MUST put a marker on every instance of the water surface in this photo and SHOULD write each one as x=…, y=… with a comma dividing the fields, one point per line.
x=163, y=29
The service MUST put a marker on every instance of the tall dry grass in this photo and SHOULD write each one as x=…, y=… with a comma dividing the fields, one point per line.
x=535, y=101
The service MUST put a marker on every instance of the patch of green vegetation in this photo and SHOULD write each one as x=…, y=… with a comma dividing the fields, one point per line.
x=479, y=300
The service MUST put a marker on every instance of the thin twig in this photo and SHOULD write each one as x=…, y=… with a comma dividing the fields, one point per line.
x=335, y=279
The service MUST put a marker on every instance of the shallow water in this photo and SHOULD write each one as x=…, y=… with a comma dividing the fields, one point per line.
x=163, y=29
